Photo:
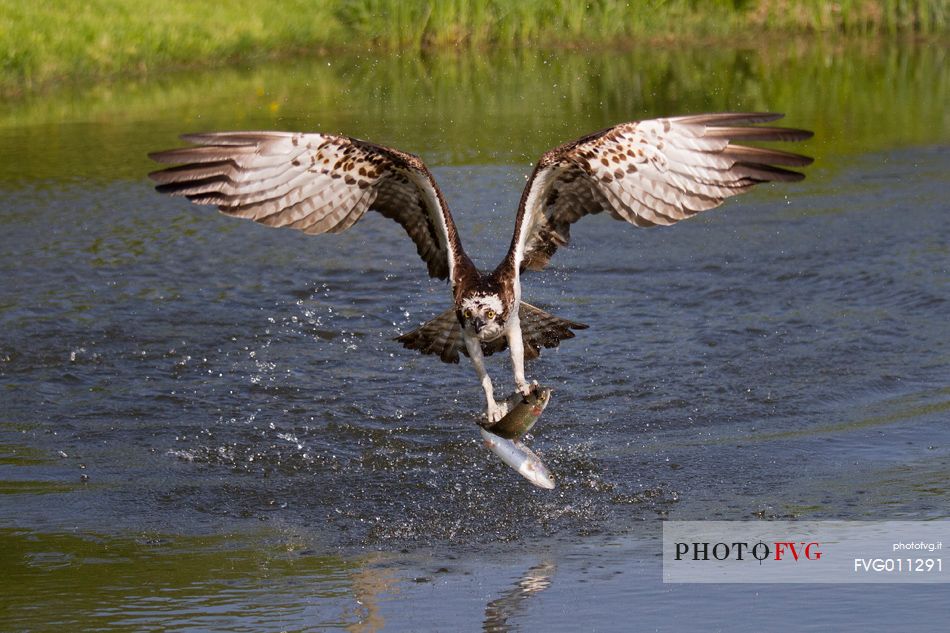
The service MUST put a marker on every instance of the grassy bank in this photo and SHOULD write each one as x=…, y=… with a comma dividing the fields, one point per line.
x=44, y=41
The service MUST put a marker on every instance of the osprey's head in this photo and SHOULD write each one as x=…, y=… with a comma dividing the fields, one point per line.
x=482, y=315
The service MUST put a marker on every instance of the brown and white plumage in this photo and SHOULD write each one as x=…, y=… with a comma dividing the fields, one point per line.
x=316, y=183
x=647, y=173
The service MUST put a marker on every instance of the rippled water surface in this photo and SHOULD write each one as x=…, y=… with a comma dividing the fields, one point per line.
x=205, y=424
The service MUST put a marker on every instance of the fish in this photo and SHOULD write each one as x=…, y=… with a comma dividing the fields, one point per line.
x=521, y=458
x=523, y=412
x=503, y=438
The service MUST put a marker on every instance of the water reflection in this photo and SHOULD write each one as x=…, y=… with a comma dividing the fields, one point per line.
x=501, y=108
x=370, y=584
x=500, y=611
x=200, y=582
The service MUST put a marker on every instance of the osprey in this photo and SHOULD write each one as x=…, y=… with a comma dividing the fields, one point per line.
x=647, y=173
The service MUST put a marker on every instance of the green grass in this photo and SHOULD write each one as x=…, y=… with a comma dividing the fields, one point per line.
x=391, y=24
x=44, y=41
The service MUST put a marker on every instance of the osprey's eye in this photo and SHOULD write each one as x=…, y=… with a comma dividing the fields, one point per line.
x=467, y=314
x=490, y=314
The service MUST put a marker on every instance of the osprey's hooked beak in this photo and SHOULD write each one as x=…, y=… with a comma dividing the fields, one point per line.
x=478, y=324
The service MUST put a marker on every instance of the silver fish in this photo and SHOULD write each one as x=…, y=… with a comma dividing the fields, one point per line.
x=521, y=458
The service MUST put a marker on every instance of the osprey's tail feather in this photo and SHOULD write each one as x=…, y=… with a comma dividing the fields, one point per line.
x=442, y=336
x=542, y=329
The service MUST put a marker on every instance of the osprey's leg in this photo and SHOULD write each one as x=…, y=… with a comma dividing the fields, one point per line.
x=516, y=345
x=495, y=411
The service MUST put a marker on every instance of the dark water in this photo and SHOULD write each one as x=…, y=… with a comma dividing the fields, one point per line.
x=206, y=425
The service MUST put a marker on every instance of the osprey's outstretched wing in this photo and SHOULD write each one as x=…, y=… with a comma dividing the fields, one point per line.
x=647, y=173
x=317, y=183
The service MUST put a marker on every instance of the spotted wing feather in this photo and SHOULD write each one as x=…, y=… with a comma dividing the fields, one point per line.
x=316, y=183
x=647, y=173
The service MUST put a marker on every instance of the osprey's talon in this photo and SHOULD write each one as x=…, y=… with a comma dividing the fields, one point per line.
x=524, y=388
x=495, y=412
